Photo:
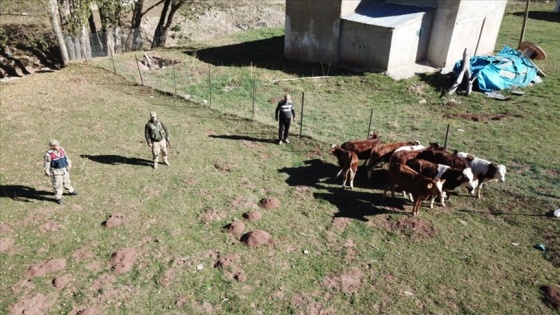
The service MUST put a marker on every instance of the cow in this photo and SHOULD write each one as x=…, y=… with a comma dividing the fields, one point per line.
x=348, y=163
x=420, y=186
x=383, y=152
x=454, y=177
x=362, y=147
x=441, y=156
x=483, y=171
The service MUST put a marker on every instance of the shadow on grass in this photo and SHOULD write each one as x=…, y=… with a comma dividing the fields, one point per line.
x=351, y=203
x=265, y=53
x=116, y=159
x=358, y=205
x=499, y=213
x=247, y=138
x=24, y=193
x=541, y=15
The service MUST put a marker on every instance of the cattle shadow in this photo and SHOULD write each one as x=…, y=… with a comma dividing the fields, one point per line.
x=359, y=205
x=541, y=15
x=312, y=174
x=246, y=138
x=265, y=53
x=24, y=193
x=117, y=159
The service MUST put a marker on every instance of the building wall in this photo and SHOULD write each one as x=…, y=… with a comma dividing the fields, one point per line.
x=410, y=42
x=464, y=24
x=312, y=30
x=365, y=46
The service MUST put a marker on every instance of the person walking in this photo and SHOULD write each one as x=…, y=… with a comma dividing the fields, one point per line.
x=57, y=167
x=284, y=114
x=157, y=137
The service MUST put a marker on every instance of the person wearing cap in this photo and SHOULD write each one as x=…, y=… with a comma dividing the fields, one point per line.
x=57, y=166
x=157, y=137
x=284, y=114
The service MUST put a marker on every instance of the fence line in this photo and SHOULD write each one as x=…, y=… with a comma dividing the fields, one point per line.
x=247, y=94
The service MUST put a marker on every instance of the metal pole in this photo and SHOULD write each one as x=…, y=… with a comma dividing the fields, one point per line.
x=139, y=72
x=174, y=80
x=209, y=87
x=525, y=16
x=301, y=115
x=369, y=127
x=113, y=61
x=254, y=113
x=446, y=135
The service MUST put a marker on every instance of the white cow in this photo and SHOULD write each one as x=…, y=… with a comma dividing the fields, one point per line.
x=483, y=171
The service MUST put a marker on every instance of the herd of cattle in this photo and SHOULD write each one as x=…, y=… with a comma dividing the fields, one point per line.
x=420, y=171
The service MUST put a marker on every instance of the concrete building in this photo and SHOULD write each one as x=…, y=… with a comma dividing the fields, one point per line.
x=376, y=35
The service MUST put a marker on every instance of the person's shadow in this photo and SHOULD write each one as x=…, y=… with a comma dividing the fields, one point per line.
x=117, y=159
x=247, y=138
x=23, y=193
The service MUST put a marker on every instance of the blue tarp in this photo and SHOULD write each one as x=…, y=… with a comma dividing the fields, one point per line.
x=506, y=70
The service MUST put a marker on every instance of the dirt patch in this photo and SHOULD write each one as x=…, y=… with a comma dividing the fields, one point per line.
x=168, y=277
x=235, y=227
x=269, y=203
x=341, y=223
x=412, y=227
x=37, y=305
x=552, y=240
x=103, y=281
x=552, y=295
x=252, y=216
x=416, y=89
x=303, y=192
x=6, y=244
x=257, y=238
x=211, y=216
x=82, y=254
x=348, y=282
x=5, y=228
x=481, y=117
x=224, y=262
x=123, y=260
x=114, y=220
x=85, y=311
x=47, y=267
x=50, y=226
x=240, y=275
x=61, y=282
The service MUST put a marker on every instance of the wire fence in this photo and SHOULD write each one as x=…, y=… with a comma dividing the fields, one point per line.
x=323, y=110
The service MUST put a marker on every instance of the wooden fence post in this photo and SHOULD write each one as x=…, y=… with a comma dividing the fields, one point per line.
x=139, y=72
x=301, y=115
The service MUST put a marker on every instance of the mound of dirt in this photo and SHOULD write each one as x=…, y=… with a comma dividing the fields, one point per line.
x=123, y=260
x=252, y=216
x=47, y=267
x=412, y=227
x=257, y=238
x=114, y=220
x=224, y=262
x=269, y=203
x=552, y=295
x=235, y=227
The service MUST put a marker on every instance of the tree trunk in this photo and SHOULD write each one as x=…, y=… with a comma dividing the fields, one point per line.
x=135, y=40
x=53, y=8
x=159, y=32
x=160, y=35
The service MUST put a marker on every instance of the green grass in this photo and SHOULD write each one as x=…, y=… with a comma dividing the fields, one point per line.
x=336, y=251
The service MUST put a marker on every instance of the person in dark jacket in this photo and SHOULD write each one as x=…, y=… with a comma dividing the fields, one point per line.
x=157, y=137
x=285, y=113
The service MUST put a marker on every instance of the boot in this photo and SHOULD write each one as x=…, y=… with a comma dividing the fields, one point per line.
x=165, y=161
x=155, y=164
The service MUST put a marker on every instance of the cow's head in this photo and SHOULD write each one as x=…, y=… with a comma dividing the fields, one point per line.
x=501, y=173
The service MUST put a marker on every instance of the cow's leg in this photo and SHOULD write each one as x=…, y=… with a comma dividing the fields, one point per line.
x=416, y=206
x=479, y=188
x=338, y=174
x=432, y=201
x=352, y=174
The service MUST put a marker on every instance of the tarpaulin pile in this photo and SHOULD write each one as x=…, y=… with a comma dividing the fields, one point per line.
x=507, y=69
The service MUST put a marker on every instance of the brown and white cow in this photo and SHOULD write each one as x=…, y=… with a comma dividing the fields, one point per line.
x=362, y=147
x=454, y=177
x=383, y=152
x=420, y=186
x=348, y=163
x=483, y=171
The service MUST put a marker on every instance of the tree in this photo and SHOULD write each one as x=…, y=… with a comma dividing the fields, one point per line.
x=135, y=39
x=170, y=7
x=53, y=13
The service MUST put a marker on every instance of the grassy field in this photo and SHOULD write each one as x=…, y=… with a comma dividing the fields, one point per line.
x=144, y=241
